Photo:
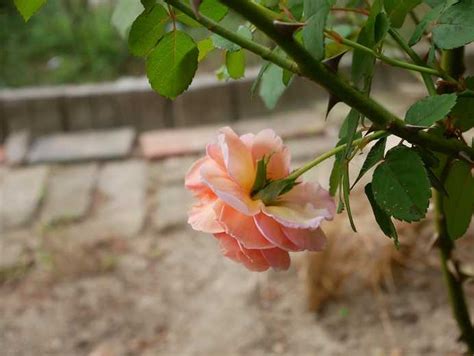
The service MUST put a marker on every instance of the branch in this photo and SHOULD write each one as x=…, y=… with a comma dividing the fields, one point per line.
x=317, y=72
x=258, y=49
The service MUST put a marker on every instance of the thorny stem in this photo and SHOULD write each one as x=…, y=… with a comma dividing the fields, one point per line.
x=453, y=62
x=320, y=74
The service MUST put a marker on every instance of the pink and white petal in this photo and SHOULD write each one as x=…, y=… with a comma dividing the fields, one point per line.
x=193, y=180
x=312, y=240
x=228, y=190
x=304, y=207
x=314, y=194
x=243, y=228
x=238, y=158
x=214, y=152
x=279, y=165
x=272, y=231
x=248, y=140
x=277, y=258
x=254, y=259
x=202, y=217
x=265, y=143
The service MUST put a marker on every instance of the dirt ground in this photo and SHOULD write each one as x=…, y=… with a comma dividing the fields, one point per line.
x=173, y=294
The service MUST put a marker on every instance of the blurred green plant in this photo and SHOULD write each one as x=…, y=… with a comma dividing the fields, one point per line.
x=73, y=43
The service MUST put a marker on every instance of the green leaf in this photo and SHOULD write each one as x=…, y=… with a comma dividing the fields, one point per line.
x=463, y=113
x=271, y=85
x=374, y=156
x=401, y=185
x=337, y=170
x=346, y=190
x=431, y=17
x=316, y=13
x=363, y=63
x=146, y=3
x=381, y=26
x=28, y=8
x=397, y=10
x=147, y=30
x=223, y=43
x=235, y=63
x=427, y=111
x=205, y=47
x=213, y=9
x=125, y=12
x=172, y=64
x=383, y=220
x=458, y=206
x=455, y=27
x=260, y=176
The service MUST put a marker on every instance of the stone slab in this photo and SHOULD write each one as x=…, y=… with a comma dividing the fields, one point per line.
x=122, y=188
x=20, y=195
x=86, y=145
x=16, y=147
x=165, y=143
x=172, y=203
x=171, y=170
x=69, y=194
x=174, y=142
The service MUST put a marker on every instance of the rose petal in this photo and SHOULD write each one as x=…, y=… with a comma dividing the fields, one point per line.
x=305, y=207
x=255, y=260
x=214, y=152
x=277, y=258
x=193, y=180
x=267, y=143
x=252, y=259
x=312, y=240
x=271, y=230
x=202, y=217
x=238, y=158
x=242, y=228
x=227, y=190
x=229, y=247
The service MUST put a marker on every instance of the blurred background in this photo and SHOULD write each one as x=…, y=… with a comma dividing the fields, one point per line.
x=96, y=257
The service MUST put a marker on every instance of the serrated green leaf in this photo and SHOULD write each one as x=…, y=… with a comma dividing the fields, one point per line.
x=430, y=17
x=271, y=85
x=172, y=64
x=28, y=8
x=374, y=156
x=235, y=63
x=147, y=30
x=463, y=113
x=455, y=27
x=213, y=9
x=125, y=12
x=427, y=111
x=397, y=10
x=205, y=47
x=401, y=186
x=383, y=220
x=458, y=206
x=316, y=13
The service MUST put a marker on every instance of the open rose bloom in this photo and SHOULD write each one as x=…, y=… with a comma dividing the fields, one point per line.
x=250, y=232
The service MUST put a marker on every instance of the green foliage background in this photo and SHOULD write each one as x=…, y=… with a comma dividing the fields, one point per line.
x=71, y=42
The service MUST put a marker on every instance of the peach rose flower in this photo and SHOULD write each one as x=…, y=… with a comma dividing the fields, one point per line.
x=259, y=235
